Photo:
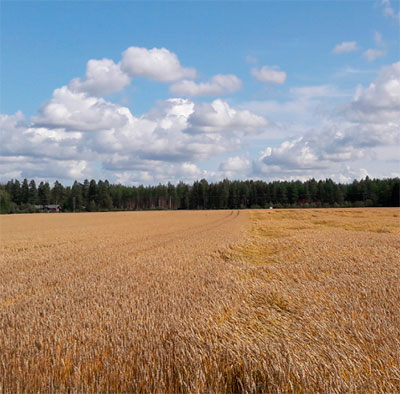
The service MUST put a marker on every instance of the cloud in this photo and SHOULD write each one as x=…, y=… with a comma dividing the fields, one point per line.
x=351, y=71
x=78, y=111
x=378, y=38
x=306, y=107
x=345, y=47
x=161, y=135
x=368, y=123
x=298, y=153
x=153, y=172
x=171, y=114
x=219, y=85
x=78, y=133
x=371, y=120
x=321, y=156
x=102, y=77
x=79, y=129
x=315, y=91
x=235, y=167
x=379, y=103
x=251, y=59
x=372, y=54
x=20, y=138
x=313, y=153
x=158, y=64
x=73, y=125
x=389, y=11
x=20, y=167
x=219, y=117
x=269, y=74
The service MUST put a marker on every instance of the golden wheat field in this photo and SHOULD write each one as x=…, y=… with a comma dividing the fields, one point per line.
x=201, y=301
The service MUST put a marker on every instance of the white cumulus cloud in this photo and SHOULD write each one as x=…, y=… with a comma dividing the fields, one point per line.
x=380, y=102
x=21, y=166
x=235, y=167
x=20, y=139
x=370, y=124
x=78, y=111
x=158, y=64
x=269, y=74
x=218, y=116
x=102, y=77
x=77, y=132
x=220, y=84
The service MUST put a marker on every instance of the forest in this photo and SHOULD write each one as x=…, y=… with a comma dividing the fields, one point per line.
x=27, y=196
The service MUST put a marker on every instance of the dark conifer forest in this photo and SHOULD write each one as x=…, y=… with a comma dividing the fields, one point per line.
x=27, y=196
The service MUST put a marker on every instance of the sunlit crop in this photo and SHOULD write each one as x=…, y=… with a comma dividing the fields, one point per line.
x=201, y=301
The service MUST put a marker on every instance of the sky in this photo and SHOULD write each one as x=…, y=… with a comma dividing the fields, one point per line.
x=168, y=91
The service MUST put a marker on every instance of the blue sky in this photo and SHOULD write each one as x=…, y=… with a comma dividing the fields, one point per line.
x=263, y=90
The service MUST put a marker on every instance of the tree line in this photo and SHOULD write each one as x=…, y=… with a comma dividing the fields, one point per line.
x=26, y=196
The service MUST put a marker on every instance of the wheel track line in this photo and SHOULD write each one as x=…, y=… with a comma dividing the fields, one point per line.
x=51, y=288
x=138, y=240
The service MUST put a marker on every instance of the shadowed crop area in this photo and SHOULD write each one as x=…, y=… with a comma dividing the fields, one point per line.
x=201, y=301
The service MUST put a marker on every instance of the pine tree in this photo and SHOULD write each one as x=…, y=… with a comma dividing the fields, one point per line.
x=33, y=193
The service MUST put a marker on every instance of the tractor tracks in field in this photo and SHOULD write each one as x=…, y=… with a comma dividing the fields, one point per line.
x=66, y=251
x=155, y=242
x=189, y=233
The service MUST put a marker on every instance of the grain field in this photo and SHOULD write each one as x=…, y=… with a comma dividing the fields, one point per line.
x=199, y=302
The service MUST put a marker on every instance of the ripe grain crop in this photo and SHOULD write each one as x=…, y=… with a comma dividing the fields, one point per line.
x=207, y=301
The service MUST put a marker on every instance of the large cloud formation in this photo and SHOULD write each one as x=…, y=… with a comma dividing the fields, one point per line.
x=104, y=76
x=79, y=133
x=77, y=129
x=370, y=120
x=380, y=102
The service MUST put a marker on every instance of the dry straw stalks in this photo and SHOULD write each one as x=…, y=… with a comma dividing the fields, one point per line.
x=199, y=302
